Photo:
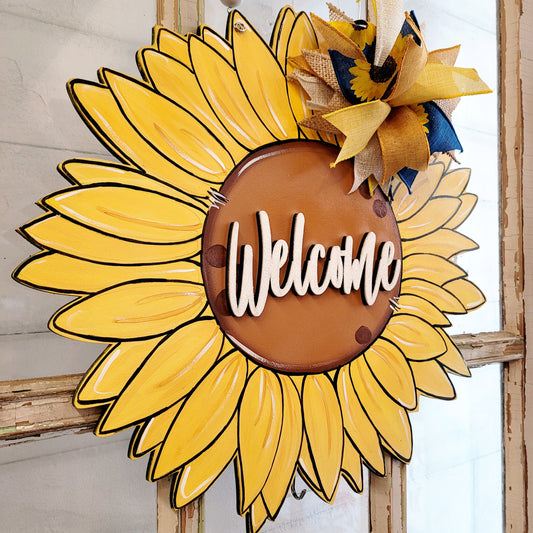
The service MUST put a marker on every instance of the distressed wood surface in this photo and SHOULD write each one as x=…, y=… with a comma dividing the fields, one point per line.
x=512, y=129
x=483, y=348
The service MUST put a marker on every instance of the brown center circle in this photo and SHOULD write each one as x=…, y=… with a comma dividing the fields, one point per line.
x=309, y=333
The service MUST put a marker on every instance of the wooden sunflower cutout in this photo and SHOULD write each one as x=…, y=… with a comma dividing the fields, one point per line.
x=208, y=138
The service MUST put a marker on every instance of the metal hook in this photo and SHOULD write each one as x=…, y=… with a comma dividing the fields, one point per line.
x=239, y=26
x=294, y=493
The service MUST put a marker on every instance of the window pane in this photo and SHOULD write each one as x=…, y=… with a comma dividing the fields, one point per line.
x=465, y=22
x=44, y=44
x=454, y=482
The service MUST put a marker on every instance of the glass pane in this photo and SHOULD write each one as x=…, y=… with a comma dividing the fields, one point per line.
x=454, y=482
x=465, y=22
x=44, y=44
x=75, y=483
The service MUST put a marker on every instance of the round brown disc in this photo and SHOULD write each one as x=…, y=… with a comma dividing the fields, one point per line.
x=310, y=333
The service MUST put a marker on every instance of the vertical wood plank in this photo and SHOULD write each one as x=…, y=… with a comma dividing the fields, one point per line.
x=388, y=499
x=168, y=520
x=512, y=145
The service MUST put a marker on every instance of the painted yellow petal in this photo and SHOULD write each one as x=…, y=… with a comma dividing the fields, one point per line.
x=131, y=311
x=173, y=45
x=91, y=172
x=389, y=418
x=438, y=81
x=439, y=297
x=173, y=369
x=420, y=307
x=262, y=78
x=444, y=242
x=290, y=442
x=256, y=516
x=391, y=370
x=223, y=90
x=453, y=183
x=177, y=82
x=406, y=204
x=111, y=371
x=358, y=123
x=101, y=113
x=469, y=295
x=357, y=424
x=351, y=466
x=174, y=132
x=198, y=475
x=432, y=380
x=260, y=419
x=452, y=358
x=205, y=414
x=431, y=268
x=281, y=33
x=416, y=339
x=61, y=273
x=307, y=468
x=217, y=42
x=302, y=37
x=435, y=214
x=468, y=202
x=61, y=235
x=153, y=432
x=128, y=213
x=324, y=429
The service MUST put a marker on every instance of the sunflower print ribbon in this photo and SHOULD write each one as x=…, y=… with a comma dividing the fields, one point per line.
x=382, y=93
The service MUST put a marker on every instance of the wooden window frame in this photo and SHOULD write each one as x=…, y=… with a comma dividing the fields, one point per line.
x=42, y=407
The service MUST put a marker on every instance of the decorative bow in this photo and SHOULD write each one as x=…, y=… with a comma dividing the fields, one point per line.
x=378, y=86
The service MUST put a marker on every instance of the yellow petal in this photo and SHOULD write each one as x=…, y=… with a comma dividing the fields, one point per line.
x=217, y=42
x=439, y=297
x=260, y=419
x=415, y=338
x=61, y=235
x=177, y=82
x=324, y=429
x=174, y=132
x=431, y=268
x=173, y=369
x=256, y=516
x=281, y=33
x=390, y=419
x=405, y=204
x=453, y=183
x=101, y=113
x=173, y=45
x=131, y=311
x=438, y=81
x=153, y=432
x=205, y=414
x=307, y=468
x=391, y=370
x=61, y=273
x=469, y=295
x=111, y=371
x=443, y=242
x=198, y=475
x=290, y=441
x=351, y=466
x=224, y=92
x=91, y=172
x=358, y=123
x=130, y=213
x=468, y=202
x=420, y=307
x=452, y=358
x=262, y=78
x=431, y=380
x=356, y=423
x=435, y=214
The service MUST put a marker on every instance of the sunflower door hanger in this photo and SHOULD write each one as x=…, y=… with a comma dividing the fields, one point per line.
x=272, y=260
